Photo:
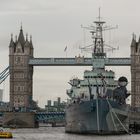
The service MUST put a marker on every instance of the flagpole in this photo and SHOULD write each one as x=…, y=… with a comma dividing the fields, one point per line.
x=65, y=50
x=66, y=53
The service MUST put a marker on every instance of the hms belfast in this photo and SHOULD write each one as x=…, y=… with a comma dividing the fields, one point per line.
x=98, y=102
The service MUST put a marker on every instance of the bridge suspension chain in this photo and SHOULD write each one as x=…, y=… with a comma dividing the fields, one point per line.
x=4, y=74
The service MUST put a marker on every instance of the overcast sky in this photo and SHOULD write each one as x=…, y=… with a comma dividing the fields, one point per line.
x=55, y=24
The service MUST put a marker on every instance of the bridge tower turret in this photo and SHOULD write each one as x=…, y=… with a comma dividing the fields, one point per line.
x=20, y=51
x=135, y=72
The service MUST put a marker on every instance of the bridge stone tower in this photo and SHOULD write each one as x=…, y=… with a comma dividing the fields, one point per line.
x=135, y=72
x=20, y=51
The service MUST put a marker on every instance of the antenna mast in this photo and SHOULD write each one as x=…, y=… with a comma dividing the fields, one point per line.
x=97, y=36
x=99, y=14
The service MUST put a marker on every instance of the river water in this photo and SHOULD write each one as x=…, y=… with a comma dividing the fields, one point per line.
x=58, y=133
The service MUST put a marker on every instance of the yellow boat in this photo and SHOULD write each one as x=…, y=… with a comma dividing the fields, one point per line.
x=5, y=134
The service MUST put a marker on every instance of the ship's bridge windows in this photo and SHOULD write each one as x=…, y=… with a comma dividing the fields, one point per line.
x=93, y=77
x=97, y=85
x=88, y=76
x=110, y=77
x=111, y=85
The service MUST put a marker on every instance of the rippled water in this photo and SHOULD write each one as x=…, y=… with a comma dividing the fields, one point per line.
x=58, y=133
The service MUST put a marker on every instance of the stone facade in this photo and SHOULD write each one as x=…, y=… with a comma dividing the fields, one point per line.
x=20, y=51
x=135, y=72
x=19, y=120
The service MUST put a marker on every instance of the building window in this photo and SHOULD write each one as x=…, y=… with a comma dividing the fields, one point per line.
x=18, y=88
x=18, y=100
x=18, y=59
x=19, y=75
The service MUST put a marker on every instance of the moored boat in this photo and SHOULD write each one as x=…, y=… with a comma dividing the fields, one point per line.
x=5, y=134
x=98, y=102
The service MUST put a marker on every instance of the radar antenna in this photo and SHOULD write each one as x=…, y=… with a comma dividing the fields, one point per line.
x=97, y=35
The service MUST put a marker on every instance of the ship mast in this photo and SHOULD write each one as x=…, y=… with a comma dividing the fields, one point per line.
x=97, y=36
x=98, y=53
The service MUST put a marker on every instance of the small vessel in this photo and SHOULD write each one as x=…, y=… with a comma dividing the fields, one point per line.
x=97, y=102
x=5, y=134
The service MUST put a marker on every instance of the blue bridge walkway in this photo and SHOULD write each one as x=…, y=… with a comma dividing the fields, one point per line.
x=50, y=117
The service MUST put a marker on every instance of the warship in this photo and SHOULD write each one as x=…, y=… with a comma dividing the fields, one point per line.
x=97, y=102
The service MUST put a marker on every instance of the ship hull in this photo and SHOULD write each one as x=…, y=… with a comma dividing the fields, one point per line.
x=96, y=117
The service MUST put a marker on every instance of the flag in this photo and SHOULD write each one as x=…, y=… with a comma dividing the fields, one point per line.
x=65, y=49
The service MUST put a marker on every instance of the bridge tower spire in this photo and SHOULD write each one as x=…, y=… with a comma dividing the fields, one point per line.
x=20, y=52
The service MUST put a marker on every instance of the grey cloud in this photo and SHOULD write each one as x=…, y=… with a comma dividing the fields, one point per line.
x=55, y=24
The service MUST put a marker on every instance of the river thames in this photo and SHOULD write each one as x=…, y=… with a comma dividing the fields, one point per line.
x=58, y=133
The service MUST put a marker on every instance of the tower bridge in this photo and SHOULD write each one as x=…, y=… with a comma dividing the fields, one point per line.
x=22, y=61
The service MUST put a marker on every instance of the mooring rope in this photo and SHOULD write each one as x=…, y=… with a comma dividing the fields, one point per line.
x=118, y=118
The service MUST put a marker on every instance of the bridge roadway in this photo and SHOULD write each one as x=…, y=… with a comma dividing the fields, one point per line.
x=77, y=61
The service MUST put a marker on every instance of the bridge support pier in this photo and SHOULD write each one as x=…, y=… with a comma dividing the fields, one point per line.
x=20, y=120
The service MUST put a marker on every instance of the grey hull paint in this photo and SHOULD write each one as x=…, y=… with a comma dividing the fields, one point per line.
x=81, y=117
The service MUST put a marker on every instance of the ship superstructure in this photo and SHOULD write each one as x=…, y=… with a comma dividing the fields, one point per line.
x=97, y=103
